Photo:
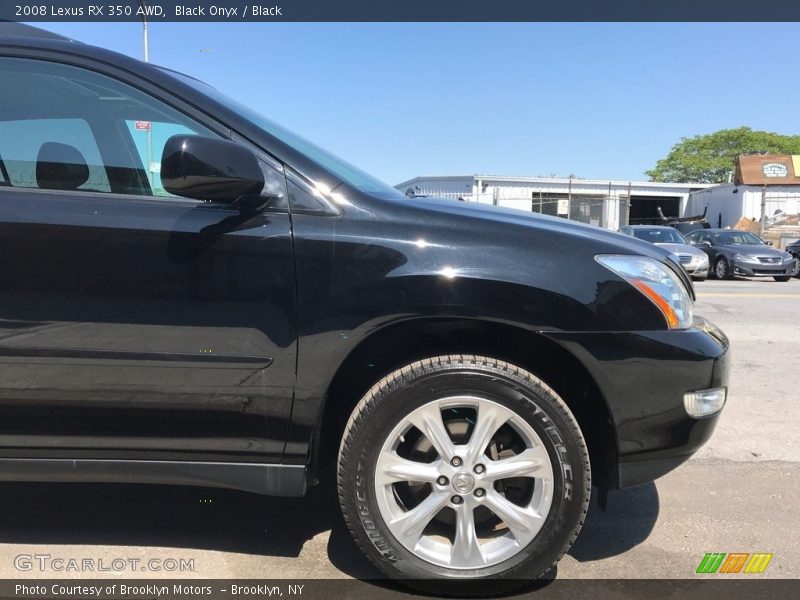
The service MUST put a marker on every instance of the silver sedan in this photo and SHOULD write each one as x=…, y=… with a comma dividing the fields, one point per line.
x=694, y=260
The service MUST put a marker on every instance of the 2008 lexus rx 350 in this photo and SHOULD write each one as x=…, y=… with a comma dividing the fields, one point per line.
x=191, y=294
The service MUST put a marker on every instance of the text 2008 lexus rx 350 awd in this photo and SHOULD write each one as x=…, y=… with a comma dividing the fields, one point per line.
x=191, y=294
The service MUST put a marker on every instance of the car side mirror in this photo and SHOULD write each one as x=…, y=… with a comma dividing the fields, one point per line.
x=768, y=242
x=207, y=168
x=705, y=243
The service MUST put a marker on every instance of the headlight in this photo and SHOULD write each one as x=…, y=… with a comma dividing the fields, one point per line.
x=658, y=282
x=745, y=258
x=700, y=259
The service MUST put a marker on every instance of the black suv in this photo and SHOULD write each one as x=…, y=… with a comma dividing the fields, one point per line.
x=191, y=294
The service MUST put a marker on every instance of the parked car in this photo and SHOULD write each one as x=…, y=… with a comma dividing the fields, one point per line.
x=253, y=313
x=732, y=252
x=694, y=260
x=794, y=250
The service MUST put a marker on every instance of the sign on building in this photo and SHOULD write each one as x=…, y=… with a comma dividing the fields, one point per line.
x=776, y=169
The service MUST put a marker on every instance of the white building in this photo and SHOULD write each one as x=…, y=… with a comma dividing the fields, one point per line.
x=729, y=202
x=603, y=202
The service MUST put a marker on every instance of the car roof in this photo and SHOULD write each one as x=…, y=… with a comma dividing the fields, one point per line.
x=21, y=30
x=649, y=227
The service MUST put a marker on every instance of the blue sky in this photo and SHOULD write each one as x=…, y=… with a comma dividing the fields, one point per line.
x=399, y=100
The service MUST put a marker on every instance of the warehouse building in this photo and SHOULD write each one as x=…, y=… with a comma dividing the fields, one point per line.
x=602, y=202
x=762, y=182
x=730, y=202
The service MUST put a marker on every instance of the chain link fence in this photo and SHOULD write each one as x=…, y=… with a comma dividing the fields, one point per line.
x=781, y=219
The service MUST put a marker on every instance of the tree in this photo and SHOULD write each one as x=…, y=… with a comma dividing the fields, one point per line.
x=710, y=158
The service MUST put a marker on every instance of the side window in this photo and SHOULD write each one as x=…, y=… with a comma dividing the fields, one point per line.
x=23, y=142
x=66, y=128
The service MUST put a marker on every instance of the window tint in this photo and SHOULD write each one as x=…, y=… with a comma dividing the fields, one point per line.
x=21, y=143
x=70, y=129
x=738, y=237
x=667, y=235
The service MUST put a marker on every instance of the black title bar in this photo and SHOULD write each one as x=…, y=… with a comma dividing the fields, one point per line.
x=399, y=10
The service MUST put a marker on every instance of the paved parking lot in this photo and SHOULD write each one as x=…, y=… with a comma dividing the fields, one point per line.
x=739, y=494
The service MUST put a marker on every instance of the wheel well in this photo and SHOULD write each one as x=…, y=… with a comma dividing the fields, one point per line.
x=403, y=343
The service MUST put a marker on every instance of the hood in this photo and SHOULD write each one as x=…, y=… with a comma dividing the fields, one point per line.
x=482, y=259
x=494, y=220
x=489, y=240
x=682, y=249
x=753, y=250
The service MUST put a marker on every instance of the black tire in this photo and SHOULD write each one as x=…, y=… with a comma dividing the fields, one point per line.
x=782, y=278
x=722, y=269
x=404, y=390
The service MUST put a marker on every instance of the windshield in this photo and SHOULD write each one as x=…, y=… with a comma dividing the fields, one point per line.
x=738, y=237
x=342, y=169
x=668, y=235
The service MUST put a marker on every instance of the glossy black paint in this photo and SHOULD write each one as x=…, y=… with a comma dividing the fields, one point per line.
x=139, y=329
x=206, y=168
x=130, y=331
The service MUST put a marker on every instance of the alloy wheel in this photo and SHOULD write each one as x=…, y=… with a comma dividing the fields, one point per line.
x=464, y=482
x=721, y=269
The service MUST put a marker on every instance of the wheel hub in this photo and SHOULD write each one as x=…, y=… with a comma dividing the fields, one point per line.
x=463, y=483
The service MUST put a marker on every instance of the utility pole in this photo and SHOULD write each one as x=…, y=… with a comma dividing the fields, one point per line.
x=146, y=43
x=144, y=31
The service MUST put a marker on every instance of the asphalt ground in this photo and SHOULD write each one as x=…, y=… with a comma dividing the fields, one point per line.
x=740, y=493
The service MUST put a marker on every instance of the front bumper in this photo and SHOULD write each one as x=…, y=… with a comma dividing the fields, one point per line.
x=748, y=269
x=701, y=271
x=643, y=377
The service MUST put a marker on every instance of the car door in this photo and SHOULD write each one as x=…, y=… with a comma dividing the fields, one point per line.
x=133, y=323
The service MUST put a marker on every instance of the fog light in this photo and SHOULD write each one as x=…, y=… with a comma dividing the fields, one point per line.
x=704, y=403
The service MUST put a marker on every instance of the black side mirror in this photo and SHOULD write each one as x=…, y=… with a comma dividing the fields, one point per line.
x=207, y=168
x=705, y=243
x=767, y=242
